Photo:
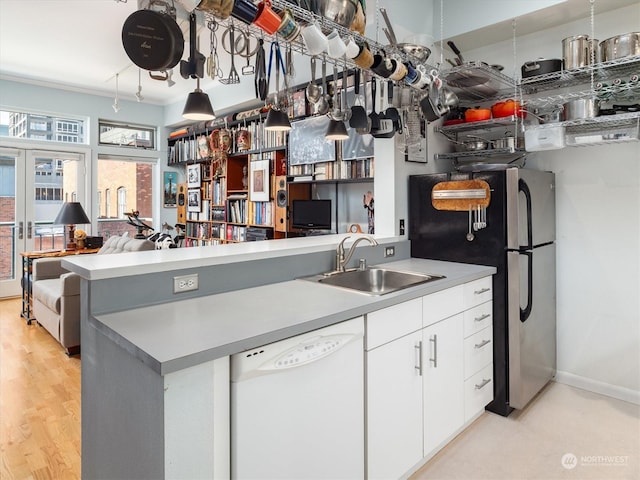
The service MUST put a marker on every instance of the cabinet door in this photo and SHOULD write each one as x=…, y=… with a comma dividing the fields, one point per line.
x=443, y=364
x=394, y=407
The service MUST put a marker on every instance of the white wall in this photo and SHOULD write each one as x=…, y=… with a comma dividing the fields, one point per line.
x=598, y=233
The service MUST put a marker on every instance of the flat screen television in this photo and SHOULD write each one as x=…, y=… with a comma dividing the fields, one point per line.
x=311, y=214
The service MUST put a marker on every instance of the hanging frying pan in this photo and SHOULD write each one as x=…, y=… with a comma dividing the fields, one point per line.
x=152, y=40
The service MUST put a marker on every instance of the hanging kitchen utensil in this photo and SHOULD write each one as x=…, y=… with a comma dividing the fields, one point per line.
x=233, y=77
x=194, y=67
x=391, y=36
x=313, y=90
x=365, y=128
x=248, y=69
x=153, y=40
x=358, y=113
x=392, y=112
x=470, y=235
x=373, y=116
x=336, y=113
x=213, y=61
x=322, y=107
x=346, y=111
x=385, y=125
x=260, y=79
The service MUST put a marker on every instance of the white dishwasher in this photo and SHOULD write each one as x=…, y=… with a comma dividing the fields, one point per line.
x=297, y=407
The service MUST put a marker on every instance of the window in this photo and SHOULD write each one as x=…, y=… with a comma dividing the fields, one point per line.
x=122, y=202
x=126, y=185
x=135, y=136
x=42, y=127
x=107, y=203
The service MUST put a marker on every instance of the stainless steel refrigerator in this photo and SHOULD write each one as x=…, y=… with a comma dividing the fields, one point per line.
x=519, y=241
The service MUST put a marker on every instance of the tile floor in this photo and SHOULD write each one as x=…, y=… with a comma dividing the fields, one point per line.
x=565, y=433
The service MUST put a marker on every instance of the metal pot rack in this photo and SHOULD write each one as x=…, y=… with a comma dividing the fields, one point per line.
x=497, y=85
x=303, y=16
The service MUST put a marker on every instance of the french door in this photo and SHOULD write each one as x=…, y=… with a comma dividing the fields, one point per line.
x=34, y=183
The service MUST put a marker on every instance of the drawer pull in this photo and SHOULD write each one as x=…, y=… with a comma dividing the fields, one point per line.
x=482, y=344
x=481, y=291
x=482, y=317
x=434, y=360
x=418, y=367
x=484, y=383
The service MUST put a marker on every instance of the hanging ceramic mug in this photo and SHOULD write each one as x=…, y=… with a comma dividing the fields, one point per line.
x=352, y=48
x=289, y=28
x=267, y=19
x=399, y=70
x=315, y=41
x=336, y=47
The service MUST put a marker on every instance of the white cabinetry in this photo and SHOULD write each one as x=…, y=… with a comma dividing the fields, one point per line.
x=394, y=390
x=429, y=365
x=443, y=381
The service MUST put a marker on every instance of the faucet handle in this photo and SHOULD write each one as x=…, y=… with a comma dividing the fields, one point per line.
x=362, y=264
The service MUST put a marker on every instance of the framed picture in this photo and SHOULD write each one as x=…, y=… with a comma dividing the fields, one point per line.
x=193, y=175
x=170, y=189
x=259, y=181
x=194, y=200
x=299, y=104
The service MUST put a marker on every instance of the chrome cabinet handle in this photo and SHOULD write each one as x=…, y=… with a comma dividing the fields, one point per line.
x=482, y=317
x=482, y=344
x=418, y=366
x=20, y=230
x=29, y=229
x=483, y=384
x=481, y=291
x=434, y=360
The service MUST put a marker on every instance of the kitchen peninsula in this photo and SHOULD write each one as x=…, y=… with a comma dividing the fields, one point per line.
x=156, y=375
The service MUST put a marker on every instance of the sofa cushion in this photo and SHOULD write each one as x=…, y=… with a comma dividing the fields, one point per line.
x=117, y=244
x=48, y=292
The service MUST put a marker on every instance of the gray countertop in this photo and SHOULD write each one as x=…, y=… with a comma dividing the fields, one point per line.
x=177, y=335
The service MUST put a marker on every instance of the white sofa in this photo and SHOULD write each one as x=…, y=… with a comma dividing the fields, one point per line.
x=56, y=292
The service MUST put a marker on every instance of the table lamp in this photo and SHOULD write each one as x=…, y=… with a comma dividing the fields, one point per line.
x=71, y=214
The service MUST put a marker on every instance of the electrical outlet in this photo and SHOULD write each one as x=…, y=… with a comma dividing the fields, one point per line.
x=389, y=251
x=185, y=283
x=402, y=226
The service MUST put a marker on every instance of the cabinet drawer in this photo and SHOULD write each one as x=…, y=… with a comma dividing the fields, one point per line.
x=441, y=305
x=478, y=291
x=478, y=351
x=478, y=392
x=393, y=322
x=478, y=318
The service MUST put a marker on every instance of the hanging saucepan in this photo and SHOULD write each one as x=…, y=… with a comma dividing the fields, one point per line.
x=152, y=40
x=541, y=66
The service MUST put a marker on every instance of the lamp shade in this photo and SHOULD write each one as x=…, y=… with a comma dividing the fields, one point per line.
x=277, y=120
x=336, y=130
x=198, y=106
x=71, y=213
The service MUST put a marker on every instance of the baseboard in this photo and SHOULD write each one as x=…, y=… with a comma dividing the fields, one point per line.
x=614, y=391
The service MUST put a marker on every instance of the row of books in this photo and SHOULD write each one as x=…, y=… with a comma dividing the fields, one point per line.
x=333, y=170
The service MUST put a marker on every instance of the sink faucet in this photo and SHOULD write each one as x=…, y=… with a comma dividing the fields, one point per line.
x=341, y=260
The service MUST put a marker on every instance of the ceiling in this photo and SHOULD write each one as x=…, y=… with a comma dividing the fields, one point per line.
x=76, y=44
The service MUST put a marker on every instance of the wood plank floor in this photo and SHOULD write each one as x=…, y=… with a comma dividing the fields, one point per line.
x=39, y=402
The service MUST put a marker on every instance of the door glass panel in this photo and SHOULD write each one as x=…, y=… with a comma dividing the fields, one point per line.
x=7, y=216
x=56, y=181
x=123, y=186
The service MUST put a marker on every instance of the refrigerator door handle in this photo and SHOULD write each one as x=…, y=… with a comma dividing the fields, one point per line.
x=526, y=311
x=524, y=188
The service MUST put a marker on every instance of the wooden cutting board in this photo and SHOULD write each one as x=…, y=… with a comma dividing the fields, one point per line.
x=460, y=195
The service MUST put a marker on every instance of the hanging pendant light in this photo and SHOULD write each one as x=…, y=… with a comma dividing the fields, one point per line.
x=277, y=121
x=336, y=130
x=198, y=106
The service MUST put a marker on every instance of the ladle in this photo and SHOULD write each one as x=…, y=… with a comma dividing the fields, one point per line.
x=322, y=107
x=313, y=90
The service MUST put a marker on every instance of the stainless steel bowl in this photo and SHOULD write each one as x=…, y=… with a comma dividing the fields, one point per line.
x=341, y=12
x=417, y=52
x=620, y=46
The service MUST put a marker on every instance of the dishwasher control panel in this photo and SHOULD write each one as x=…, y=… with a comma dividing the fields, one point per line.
x=309, y=351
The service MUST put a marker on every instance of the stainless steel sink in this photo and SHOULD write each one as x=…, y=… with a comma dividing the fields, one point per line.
x=374, y=280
